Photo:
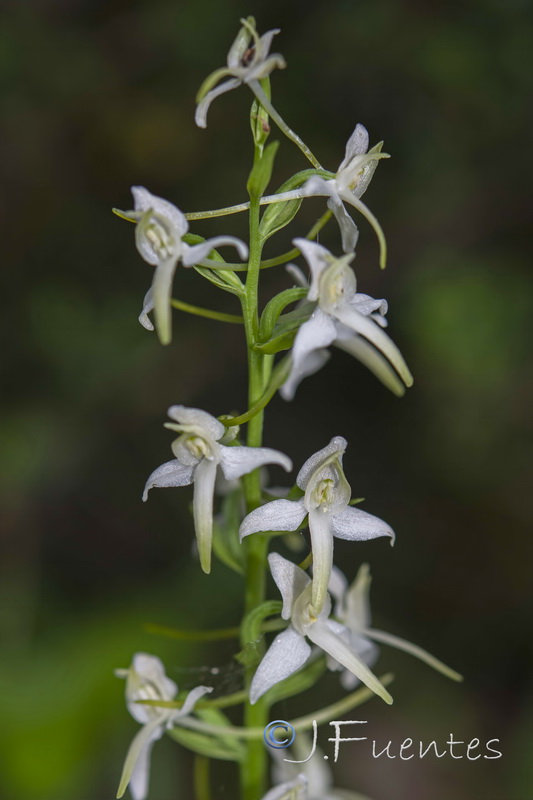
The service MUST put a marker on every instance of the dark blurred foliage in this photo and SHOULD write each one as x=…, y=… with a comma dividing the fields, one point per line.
x=100, y=95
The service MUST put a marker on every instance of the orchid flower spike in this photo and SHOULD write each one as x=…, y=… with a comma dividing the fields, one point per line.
x=349, y=184
x=311, y=776
x=200, y=448
x=159, y=237
x=248, y=62
x=146, y=680
x=326, y=501
x=344, y=317
x=289, y=651
x=352, y=609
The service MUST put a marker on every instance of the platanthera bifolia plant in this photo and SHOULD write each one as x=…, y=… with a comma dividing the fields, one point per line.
x=322, y=621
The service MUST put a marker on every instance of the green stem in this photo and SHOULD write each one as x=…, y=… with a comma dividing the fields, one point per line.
x=254, y=766
x=206, y=312
x=279, y=376
x=202, y=789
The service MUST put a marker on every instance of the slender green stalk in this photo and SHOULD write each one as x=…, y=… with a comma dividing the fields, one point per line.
x=220, y=316
x=227, y=701
x=259, y=92
x=217, y=635
x=289, y=254
x=279, y=377
x=254, y=767
x=202, y=788
x=334, y=711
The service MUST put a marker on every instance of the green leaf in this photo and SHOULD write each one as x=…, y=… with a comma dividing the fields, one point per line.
x=286, y=329
x=214, y=716
x=262, y=172
x=223, y=278
x=274, y=307
x=208, y=746
x=251, y=624
x=277, y=216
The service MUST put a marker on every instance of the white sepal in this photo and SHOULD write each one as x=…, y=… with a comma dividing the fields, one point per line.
x=279, y=515
x=288, y=652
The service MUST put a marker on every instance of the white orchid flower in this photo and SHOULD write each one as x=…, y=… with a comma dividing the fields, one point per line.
x=248, y=62
x=289, y=790
x=344, y=317
x=350, y=182
x=146, y=680
x=199, y=450
x=352, y=609
x=312, y=774
x=159, y=237
x=326, y=501
x=289, y=651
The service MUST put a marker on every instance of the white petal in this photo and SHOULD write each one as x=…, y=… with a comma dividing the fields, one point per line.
x=366, y=305
x=162, y=294
x=318, y=187
x=262, y=70
x=335, y=449
x=265, y=43
x=279, y=515
x=191, y=700
x=237, y=461
x=354, y=525
x=370, y=330
x=148, y=305
x=357, y=600
x=312, y=363
x=337, y=588
x=290, y=580
x=150, y=669
x=322, y=547
x=172, y=473
x=365, y=178
x=292, y=790
x=239, y=47
x=288, y=652
x=307, y=354
x=199, y=252
x=318, y=332
x=348, y=228
x=356, y=144
x=204, y=489
x=319, y=258
x=136, y=771
x=200, y=419
x=145, y=200
x=331, y=643
x=202, y=108
x=298, y=275
x=364, y=352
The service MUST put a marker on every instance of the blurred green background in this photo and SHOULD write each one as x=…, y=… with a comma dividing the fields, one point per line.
x=98, y=96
